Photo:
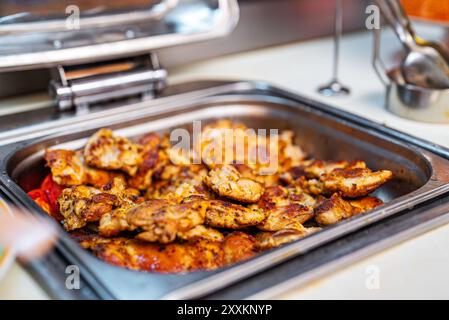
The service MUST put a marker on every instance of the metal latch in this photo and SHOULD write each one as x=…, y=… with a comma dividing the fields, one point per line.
x=81, y=86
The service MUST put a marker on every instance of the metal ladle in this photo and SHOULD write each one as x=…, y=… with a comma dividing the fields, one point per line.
x=426, y=63
x=335, y=87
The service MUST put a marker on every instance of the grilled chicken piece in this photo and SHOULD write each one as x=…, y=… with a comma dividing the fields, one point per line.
x=268, y=240
x=351, y=179
x=227, y=142
x=289, y=154
x=144, y=256
x=173, y=173
x=179, y=190
x=173, y=257
x=154, y=158
x=127, y=197
x=227, y=182
x=114, y=222
x=237, y=246
x=350, y=183
x=335, y=209
x=245, y=171
x=366, y=203
x=103, y=150
x=316, y=168
x=266, y=180
x=179, y=182
x=68, y=169
x=223, y=214
x=82, y=204
x=201, y=233
x=212, y=146
x=163, y=220
x=284, y=208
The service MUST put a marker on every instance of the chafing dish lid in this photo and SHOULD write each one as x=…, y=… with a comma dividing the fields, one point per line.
x=47, y=33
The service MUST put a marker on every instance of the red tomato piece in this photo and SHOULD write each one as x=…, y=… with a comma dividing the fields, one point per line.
x=52, y=190
x=39, y=197
x=46, y=197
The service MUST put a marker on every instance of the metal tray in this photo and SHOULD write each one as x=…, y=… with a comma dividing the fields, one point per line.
x=324, y=132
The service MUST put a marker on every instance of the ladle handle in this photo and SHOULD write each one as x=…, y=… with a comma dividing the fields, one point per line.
x=378, y=64
x=395, y=15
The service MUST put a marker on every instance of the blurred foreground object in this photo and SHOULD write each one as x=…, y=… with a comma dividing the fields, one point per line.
x=28, y=237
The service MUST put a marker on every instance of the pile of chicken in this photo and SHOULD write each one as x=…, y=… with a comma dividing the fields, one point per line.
x=144, y=206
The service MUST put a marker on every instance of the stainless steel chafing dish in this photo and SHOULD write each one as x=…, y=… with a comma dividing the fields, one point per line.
x=420, y=173
x=110, y=56
x=420, y=168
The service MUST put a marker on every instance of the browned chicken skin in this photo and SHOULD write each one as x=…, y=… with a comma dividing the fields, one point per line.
x=165, y=220
x=265, y=153
x=284, y=208
x=162, y=220
x=268, y=240
x=173, y=257
x=154, y=159
x=157, y=211
x=350, y=179
x=82, y=204
x=114, y=222
x=68, y=169
x=201, y=232
x=350, y=183
x=227, y=182
x=316, y=168
x=223, y=214
x=179, y=182
x=366, y=203
x=105, y=151
x=335, y=209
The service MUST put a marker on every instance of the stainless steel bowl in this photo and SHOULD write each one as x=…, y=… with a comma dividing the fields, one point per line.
x=416, y=103
x=407, y=100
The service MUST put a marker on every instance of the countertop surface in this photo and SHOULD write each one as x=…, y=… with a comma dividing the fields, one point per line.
x=401, y=271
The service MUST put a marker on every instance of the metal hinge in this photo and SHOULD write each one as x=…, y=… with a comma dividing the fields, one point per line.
x=75, y=87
